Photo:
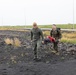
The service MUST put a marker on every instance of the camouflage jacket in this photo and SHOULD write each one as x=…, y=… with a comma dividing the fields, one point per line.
x=56, y=34
x=36, y=34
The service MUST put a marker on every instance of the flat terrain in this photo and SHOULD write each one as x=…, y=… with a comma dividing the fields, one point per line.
x=62, y=26
x=19, y=60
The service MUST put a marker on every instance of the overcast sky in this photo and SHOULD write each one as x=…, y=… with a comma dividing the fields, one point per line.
x=25, y=12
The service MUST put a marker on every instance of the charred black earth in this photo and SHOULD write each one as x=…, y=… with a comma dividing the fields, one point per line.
x=19, y=60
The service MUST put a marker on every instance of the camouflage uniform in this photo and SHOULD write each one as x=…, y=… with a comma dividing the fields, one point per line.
x=36, y=35
x=57, y=35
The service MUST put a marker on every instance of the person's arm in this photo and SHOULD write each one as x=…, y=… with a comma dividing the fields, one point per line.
x=60, y=34
x=51, y=33
x=31, y=35
x=41, y=33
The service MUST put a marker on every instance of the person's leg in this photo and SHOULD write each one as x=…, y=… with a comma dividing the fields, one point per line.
x=56, y=46
x=35, y=49
x=38, y=48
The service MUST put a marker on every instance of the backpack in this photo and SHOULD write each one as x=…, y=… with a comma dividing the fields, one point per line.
x=59, y=31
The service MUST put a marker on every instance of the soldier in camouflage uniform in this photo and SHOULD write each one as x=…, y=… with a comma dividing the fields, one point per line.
x=56, y=34
x=36, y=35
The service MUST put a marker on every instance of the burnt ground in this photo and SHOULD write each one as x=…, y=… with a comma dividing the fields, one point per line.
x=19, y=60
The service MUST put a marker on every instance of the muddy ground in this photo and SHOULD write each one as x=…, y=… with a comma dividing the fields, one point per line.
x=19, y=60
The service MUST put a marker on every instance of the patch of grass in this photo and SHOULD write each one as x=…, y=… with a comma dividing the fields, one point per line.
x=69, y=37
x=46, y=33
x=8, y=41
x=66, y=37
x=62, y=26
x=16, y=42
x=11, y=27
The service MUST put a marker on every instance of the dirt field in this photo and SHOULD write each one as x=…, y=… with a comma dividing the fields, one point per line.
x=19, y=60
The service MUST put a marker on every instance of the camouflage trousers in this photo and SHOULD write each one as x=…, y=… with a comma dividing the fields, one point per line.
x=56, y=45
x=36, y=46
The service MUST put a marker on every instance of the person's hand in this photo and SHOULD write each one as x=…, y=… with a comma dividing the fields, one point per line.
x=31, y=41
x=54, y=38
x=59, y=40
x=42, y=42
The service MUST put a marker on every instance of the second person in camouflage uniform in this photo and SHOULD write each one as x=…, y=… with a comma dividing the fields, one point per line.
x=56, y=34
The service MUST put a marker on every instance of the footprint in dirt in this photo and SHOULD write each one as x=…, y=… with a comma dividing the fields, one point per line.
x=4, y=72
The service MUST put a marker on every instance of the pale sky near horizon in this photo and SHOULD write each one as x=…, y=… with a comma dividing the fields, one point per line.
x=25, y=12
